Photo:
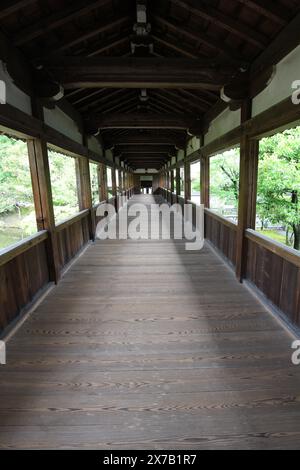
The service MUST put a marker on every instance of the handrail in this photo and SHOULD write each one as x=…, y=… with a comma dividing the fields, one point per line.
x=71, y=220
x=285, y=252
x=12, y=251
x=221, y=219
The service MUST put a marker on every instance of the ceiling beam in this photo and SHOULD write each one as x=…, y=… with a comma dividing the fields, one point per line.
x=189, y=100
x=87, y=96
x=224, y=21
x=145, y=139
x=142, y=121
x=102, y=100
x=281, y=46
x=8, y=7
x=81, y=37
x=156, y=106
x=203, y=100
x=107, y=45
x=115, y=72
x=174, y=106
x=57, y=19
x=268, y=9
x=149, y=157
x=120, y=104
x=144, y=148
x=202, y=38
x=176, y=46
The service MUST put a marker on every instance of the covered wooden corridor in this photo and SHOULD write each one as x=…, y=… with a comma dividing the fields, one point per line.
x=132, y=344
x=146, y=345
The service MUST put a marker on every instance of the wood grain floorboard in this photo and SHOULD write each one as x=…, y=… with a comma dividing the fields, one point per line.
x=144, y=345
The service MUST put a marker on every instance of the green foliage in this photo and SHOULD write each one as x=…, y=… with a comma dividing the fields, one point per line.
x=63, y=184
x=195, y=178
x=224, y=179
x=94, y=182
x=279, y=181
x=15, y=180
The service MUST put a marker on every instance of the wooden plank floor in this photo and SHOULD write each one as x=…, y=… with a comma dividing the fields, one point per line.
x=146, y=345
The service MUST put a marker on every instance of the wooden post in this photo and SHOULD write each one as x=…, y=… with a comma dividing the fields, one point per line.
x=249, y=151
x=84, y=191
x=114, y=186
x=177, y=182
x=172, y=186
x=119, y=187
x=187, y=181
x=204, y=177
x=102, y=182
x=42, y=193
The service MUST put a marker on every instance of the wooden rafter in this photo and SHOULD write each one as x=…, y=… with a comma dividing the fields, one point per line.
x=8, y=7
x=119, y=105
x=176, y=46
x=201, y=37
x=223, y=21
x=203, y=100
x=107, y=45
x=102, y=100
x=81, y=37
x=187, y=100
x=169, y=102
x=57, y=19
x=268, y=9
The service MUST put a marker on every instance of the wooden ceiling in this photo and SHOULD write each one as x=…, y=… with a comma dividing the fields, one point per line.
x=145, y=101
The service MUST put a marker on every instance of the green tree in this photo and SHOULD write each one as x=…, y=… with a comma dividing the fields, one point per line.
x=15, y=179
x=279, y=181
x=224, y=177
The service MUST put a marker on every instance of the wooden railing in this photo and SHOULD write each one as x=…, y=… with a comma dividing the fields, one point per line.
x=72, y=235
x=270, y=266
x=275, y=270
x=221, y=232
x=24, y=273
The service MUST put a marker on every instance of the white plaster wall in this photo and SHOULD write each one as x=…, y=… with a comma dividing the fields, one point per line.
x=193, y=145
x=180, y=155
x=223, y=123
x=14, y=96
x=287, y=71
x=57, y=119
x=142, y=170
x=94, y=145
x=109, y=155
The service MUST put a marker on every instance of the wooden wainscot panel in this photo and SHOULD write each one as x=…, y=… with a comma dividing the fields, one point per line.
x=72, y=235
x=275, y=270
x=23, y=273
x=222, y=234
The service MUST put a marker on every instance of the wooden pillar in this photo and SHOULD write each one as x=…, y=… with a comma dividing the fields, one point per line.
x=114, y=186
x=120, y=181
x=204, y=183
x=42, y=193
x=100, y=181
x=172, y=186
x=187, y=181
x=249, y=151
x=177, y=182
x=84, y=191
